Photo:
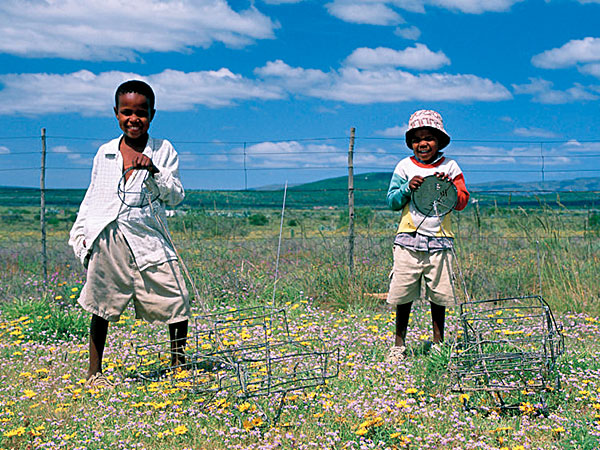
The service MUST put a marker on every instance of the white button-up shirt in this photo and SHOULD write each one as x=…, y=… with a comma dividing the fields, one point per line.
x=110, y=198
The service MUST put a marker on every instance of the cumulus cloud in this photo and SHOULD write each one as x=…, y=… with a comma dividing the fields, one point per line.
x=417, y=57
x=543, y=91
x=395, y=131
x=304, y=155
x=574, y=52
x=91, y=94
x=371, y=12
x=535, y=132
x=384, y=12
x=412, y=33
x=124, y=29
x=591, y=69
x=72, y=156
x=385, y=85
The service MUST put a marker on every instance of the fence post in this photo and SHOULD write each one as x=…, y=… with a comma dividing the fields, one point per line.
x=351, y=203
x=245, y=170
x=43, y=207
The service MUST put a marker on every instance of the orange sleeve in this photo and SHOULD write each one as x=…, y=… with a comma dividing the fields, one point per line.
x=463, y=194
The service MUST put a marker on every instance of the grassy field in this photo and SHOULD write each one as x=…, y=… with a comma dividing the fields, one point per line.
x=231, y=254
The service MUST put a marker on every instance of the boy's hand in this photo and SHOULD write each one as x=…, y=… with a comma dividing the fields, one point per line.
x=415, y=182
x=141, y=161
x=443, y=176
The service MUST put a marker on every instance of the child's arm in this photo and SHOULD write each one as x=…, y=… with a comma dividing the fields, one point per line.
x=77, y=233
x=167, y=180
x=461, y=190
x=398, y=193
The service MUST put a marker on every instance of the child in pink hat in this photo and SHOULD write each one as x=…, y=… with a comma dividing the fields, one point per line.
x=423, y=245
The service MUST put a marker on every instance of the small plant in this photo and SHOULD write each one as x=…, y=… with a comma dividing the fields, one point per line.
x=44, y=321
x=258, y=219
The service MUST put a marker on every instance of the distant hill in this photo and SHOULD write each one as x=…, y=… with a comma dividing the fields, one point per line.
x=370, y=190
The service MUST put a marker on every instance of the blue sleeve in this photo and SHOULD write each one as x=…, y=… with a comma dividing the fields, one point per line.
x=398, y=193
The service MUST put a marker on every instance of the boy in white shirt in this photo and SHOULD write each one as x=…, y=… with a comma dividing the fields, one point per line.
x=423, y=245
x=121, y=243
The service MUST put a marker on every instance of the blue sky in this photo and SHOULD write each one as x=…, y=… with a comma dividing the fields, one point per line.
x=275, y=85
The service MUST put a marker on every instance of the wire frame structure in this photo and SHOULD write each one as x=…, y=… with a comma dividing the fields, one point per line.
x=507, y=345
x=247, y=352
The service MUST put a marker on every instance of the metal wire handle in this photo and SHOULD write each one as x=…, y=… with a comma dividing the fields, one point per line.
x=121, y=192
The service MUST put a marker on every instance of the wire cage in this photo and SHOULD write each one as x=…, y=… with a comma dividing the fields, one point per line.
x=245, y=352
x=507, y=345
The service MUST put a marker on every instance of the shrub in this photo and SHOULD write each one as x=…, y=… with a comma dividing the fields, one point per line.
x=258, y=219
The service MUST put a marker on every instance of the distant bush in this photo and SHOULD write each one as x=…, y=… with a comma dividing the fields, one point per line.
x=363, y=216
x=258, y=219
x=292, y=223
x=594, y=222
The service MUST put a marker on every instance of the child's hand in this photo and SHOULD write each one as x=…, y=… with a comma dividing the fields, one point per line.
x=443, y=176
x=415, y=182
x=141, y=161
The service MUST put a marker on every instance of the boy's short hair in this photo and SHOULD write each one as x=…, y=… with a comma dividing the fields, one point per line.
x=137, y=87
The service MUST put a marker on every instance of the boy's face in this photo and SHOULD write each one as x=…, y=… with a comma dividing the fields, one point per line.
x=424, y=145
x=134, y=114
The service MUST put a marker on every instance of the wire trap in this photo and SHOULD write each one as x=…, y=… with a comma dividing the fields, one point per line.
x=247, y=353
x=508, y=345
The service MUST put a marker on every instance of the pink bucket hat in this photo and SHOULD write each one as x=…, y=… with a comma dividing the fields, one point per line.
x=426, y=118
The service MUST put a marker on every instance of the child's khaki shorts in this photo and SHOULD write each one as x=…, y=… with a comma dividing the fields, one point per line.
x=410, y=267
x=159, y=293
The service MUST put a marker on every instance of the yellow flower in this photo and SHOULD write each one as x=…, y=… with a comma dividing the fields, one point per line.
x=75, y=289
x=29, y=393
x=411, y=391
x=181, y=429
x=361, y=431
x=16, y=432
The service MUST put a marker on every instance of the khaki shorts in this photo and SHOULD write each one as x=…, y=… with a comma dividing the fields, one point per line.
x=410, y=267
x=159, y=293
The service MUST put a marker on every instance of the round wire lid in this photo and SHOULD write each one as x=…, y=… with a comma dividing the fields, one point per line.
x=435, y=196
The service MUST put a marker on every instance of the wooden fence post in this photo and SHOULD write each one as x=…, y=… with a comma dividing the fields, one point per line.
x=351, y=204
x=43, y=207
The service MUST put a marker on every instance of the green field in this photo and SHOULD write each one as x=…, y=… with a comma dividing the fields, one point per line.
x=549, y=246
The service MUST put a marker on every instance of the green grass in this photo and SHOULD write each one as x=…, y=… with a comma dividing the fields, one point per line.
x=43, y=342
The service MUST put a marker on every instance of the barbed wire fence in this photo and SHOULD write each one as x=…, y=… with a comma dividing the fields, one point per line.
x=342, y=155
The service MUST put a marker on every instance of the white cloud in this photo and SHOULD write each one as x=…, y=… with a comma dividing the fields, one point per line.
x=86, y=93
x=371, y=12
x=412, y=33
x=383, y=12
x=591, y=69
x=482, y=154
x=352, y=85
x=72, y=155
x=474, y=6
x=534, y=132
x=124, y=29
x=4, y=150
x=542, y=92
x=395, y=131
x=270, y=155
x=573, y=52
x=417, y=57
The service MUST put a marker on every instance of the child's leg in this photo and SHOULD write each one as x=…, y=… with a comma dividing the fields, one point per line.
x=402, y=316
x=178, y=335
x=98, y=331
x=438, y=318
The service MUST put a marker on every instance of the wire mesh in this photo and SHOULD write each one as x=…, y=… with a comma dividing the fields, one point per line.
x=506, y=345
x=244, y=352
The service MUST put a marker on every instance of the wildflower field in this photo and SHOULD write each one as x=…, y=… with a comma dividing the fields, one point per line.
x=370, y=404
